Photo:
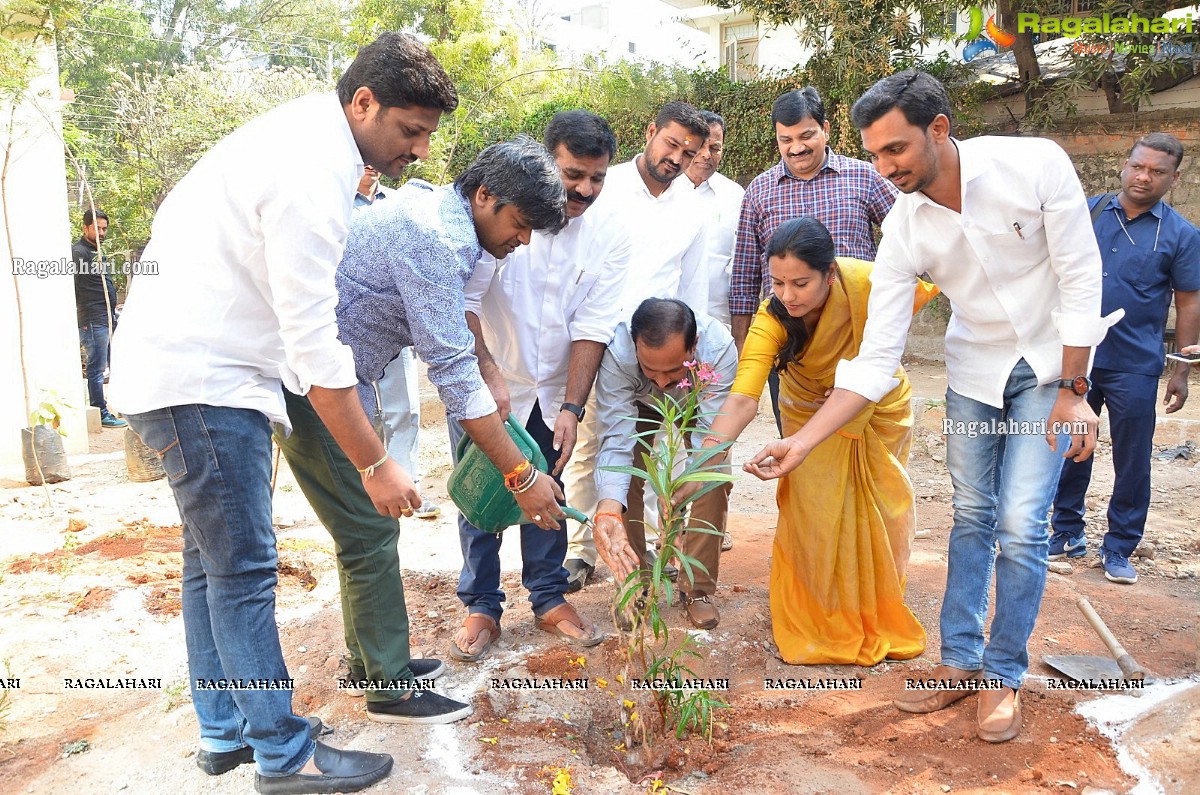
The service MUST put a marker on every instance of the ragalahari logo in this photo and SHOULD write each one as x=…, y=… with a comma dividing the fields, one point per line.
x=997, y=37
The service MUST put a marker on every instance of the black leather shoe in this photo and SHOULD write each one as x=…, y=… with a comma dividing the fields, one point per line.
x=341, y=771
x=214, y=763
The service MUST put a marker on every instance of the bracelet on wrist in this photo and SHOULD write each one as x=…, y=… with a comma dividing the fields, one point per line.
x=613, y=514
x=527, y=485
x=367, y=472
x=512, y=478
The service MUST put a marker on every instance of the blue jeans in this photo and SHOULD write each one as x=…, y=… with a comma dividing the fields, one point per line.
x=542, y=551
x=1131, y=400
x=218, y=462
x=1003, y=487
x=94, y=339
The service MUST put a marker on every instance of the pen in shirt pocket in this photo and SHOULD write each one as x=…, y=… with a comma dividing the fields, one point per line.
x=1017, y=229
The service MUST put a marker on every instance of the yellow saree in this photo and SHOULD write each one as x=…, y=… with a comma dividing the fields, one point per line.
x=846, y=514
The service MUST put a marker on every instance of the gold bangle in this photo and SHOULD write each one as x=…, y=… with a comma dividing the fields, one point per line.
x=367, y=472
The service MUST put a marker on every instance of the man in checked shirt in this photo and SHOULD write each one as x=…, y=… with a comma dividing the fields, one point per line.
x=848, y=196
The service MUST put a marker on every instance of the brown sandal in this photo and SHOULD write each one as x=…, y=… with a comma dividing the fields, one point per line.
x=476, y=624
x=550, y=620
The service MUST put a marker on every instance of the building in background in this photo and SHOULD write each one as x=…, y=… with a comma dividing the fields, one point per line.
x=636, y=30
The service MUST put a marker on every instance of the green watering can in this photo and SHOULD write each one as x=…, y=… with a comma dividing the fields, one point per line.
x=477, y=487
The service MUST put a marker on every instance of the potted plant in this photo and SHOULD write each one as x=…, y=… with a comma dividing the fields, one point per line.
x=41, y=443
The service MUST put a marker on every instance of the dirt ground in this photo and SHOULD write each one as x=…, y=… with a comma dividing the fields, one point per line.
x=90, y=588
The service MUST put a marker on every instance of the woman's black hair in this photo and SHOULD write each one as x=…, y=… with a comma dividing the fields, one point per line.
x=807, y=240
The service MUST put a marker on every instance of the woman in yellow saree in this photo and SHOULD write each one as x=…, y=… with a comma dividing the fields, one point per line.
x=846, y=514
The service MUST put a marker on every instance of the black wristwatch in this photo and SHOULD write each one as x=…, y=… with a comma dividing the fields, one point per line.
x=578, y=411
x=1080, y=384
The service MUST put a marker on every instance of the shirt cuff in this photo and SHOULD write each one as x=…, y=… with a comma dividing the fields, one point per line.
x=479, y=404
x=613, y=490
x=1083, y=331
x=742, y=306
x=862, y=379
x=332, y=369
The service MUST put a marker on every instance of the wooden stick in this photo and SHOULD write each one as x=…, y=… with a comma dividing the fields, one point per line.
x=1125, y=661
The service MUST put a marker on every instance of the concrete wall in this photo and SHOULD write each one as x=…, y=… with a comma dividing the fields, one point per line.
x=1093, y=103
x=39, y=229
x=1098, y=148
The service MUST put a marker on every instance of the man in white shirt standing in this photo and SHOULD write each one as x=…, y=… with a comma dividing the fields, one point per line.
x=242, y=306
x=542, y=317
x=721, y=201
x=1018, y=259
x=667, y=228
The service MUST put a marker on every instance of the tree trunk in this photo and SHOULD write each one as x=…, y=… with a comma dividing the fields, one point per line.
x=1111, y=83
x=1029, y=72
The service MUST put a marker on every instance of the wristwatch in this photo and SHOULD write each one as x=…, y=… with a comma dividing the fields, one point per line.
x=1080, y=384
x=578, y=411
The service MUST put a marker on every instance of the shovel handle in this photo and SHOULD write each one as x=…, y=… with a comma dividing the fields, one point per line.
x=1125, y=661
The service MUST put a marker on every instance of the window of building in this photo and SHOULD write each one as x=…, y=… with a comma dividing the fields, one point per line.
x=740, y=51
x=939, y=24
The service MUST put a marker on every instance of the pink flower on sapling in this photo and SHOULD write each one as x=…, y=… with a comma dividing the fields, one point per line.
x=684, y=383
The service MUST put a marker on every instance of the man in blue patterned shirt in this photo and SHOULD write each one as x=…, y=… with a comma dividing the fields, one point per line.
x=400, y=283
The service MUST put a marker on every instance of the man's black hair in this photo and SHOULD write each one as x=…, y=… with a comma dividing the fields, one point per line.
x=582, y=132
x=522, y=173
x=684, y=115
x=713, y=118
x=920, y=97
x=657, y=319
x=796, y=106
x=401, y=72
x=89, y=217
x=1162, y=142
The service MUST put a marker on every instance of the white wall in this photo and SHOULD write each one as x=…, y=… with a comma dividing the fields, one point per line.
x=1095, y=103
x=40, y=230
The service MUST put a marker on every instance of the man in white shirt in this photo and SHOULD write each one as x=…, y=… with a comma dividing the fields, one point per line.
x=1019, y=262
x=721, y=200
x=666, y=227
x=542, y=317
x=242, y=306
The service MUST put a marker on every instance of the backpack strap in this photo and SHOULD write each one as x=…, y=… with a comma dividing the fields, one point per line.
x=1100, y=205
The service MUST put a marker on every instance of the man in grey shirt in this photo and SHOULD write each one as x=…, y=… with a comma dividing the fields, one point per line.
x=400, y=283
x=646, y=360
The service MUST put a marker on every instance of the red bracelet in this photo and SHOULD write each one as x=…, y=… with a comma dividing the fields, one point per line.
x=510, y=480
x=613, y=514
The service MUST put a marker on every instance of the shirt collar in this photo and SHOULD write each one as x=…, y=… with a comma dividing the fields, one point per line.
x=968, y=169
x=1157, y=210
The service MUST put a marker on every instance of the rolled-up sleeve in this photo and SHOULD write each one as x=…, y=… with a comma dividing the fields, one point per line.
x=598, y=315
x=616, y=423
x=304, y=232
x=889, y=315
x=1074, y=255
